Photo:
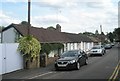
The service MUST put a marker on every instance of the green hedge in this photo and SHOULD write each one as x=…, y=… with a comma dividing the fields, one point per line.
x=48, y=47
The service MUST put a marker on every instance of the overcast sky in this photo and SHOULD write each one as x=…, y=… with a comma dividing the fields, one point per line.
x=74, y=16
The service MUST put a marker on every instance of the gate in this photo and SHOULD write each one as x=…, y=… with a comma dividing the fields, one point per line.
x=43, y=60
x=12, y=60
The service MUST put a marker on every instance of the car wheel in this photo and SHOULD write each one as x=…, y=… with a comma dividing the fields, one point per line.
x=86, y=62
x=102, y=54
x=78, y=66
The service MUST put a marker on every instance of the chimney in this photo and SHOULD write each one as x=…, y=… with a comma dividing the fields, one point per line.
x=58, y=27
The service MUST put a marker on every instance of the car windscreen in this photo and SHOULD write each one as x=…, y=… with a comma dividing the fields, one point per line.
x=70, y=54
x=96, y=47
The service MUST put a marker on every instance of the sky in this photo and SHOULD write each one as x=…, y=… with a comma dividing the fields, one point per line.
x=74, y=16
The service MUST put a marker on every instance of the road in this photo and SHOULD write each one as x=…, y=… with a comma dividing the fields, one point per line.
x=99, y=67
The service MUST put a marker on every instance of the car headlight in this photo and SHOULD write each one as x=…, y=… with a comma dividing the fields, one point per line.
x=100, y=51
x=72, y=61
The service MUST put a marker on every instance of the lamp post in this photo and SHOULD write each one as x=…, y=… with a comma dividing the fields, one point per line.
x=101, y=33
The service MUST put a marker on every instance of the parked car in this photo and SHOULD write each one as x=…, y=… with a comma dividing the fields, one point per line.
x=112, y=44
x=71, y=60
x=97, y=50
x=108, y=46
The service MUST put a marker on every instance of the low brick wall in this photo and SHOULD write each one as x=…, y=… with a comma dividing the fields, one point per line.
x=44, y=60
x=51, y=60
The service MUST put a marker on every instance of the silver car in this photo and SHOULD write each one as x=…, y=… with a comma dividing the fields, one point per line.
x=97, y=49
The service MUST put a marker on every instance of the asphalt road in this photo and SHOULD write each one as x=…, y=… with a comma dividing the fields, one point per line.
x=99, y=67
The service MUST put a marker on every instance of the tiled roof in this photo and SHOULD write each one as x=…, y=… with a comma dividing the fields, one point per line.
x=101, y=36
x=49, y=36
x=43, y=35
x=94, y=39
x=77, y=37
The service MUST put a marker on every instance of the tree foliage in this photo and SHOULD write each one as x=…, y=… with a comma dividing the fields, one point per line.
x=96, y=32
x=24, y=23
x=30, y=47
x=88, y=33
x=51, y=28
x=102, y=33
x=48, y=47
x=110, y=36
x=117, y=34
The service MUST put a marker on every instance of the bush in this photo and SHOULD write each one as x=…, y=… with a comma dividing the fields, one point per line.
x=30, y=47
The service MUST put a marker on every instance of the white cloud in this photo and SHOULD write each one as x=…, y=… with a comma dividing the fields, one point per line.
x=73, y=3
x=77, y=15
x=14, y=1
x=48, y=19
x=56, y=3
x=90, y=18
x=87, y=18
x=6, y=20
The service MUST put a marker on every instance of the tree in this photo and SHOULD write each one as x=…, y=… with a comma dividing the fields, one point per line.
x=96, y=32
x=88, y=33
x=48, y=47
x=102, y=33
x=116, y=32
x=30, y=49
x=110, y=36
x=51, y=28
x=24, y=23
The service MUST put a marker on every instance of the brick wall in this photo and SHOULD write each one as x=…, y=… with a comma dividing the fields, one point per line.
x=51, y=60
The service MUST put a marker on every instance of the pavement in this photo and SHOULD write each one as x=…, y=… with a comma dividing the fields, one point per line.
x=28, y=73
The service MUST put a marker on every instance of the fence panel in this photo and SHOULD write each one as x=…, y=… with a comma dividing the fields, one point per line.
x=11, y=58
x=0, y=59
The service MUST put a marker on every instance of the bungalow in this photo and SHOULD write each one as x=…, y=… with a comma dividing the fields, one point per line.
x=95, y=40
x=78, y=41
x=12, y=33
x=70, y=40
x=103, y=38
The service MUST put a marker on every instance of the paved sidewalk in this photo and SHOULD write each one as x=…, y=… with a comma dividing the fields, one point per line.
x=28, y=73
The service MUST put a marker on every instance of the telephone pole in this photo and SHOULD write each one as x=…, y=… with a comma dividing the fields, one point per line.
x=29, y=16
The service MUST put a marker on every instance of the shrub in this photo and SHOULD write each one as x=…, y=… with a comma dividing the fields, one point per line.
x=29, y=47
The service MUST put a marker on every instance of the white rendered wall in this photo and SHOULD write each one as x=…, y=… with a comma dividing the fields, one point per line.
x=9, y=36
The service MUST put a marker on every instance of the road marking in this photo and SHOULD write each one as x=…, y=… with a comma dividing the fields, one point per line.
x=41, y=75
x=115, y=73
